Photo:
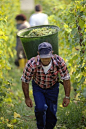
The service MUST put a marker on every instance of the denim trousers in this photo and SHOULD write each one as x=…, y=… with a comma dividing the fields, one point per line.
x=45, y=105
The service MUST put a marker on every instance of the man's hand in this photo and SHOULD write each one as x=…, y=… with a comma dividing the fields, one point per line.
x=65, y=102
x=28, y=102
x=67, y=88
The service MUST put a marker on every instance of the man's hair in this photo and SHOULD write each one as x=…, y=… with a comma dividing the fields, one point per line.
x=38, y=8
x=20, y=17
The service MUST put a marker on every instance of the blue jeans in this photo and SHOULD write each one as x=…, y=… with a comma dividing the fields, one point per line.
x=46, y=105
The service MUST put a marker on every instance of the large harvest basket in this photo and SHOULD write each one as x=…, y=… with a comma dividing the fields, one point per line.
x=30, y=44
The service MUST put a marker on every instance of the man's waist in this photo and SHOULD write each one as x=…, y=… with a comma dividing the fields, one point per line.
x=46, y=86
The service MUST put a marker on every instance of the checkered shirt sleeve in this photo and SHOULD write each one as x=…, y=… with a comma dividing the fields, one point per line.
x=29, y=70
x=62, y=68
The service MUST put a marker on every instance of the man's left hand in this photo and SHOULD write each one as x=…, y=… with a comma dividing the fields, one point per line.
x=66, y=102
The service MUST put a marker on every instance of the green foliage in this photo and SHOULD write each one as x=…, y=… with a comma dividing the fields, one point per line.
x=8, y=11
x=70, y=117
x=15, y=114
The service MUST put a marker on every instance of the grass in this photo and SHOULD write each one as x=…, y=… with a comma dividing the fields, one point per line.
x=25, y=118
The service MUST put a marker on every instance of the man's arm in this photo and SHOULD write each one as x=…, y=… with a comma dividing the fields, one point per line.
x=67, y=88
x=25, y=88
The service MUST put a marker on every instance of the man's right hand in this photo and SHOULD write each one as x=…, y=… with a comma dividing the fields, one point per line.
x=29, y=102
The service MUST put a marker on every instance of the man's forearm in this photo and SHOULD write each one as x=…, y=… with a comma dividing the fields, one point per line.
x=25, y=87
x=67, y=87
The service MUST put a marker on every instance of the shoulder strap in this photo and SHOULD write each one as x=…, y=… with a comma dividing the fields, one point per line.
x=34, y=75
x=55, y=56
x=58, y=79
x=35, y=59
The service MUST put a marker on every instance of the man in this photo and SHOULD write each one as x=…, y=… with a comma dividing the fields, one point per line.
x=22, y=23
x=38, y=18
x=45, y=69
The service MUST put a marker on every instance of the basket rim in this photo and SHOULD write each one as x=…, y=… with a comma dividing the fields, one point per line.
x=35, y=27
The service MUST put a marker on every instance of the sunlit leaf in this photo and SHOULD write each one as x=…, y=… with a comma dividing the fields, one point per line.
x=81, y=23
x=16, y=115
x=9, y=125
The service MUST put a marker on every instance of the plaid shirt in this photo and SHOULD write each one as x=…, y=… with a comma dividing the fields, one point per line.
x=51, y=77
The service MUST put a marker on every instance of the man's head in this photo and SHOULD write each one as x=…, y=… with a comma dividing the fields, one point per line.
x=38, y=8
x=45, y=52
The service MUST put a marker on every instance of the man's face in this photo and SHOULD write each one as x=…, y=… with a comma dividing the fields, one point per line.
x=45, y=61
